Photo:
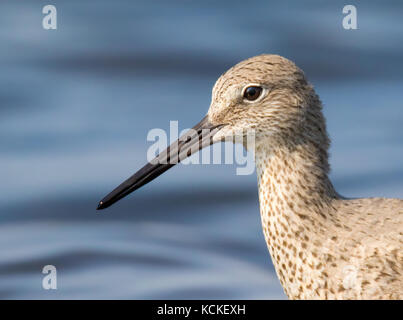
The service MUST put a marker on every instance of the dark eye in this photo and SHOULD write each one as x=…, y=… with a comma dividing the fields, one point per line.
x=252, y=93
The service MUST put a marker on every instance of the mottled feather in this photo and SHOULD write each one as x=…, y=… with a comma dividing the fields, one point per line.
x=323, y=246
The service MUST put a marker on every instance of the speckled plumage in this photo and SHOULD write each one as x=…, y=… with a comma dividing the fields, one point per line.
x=323, y=246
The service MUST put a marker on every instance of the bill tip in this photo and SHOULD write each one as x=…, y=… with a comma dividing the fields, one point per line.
x=100, y=206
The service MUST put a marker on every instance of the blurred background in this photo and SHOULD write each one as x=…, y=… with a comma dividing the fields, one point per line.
x=76, y=105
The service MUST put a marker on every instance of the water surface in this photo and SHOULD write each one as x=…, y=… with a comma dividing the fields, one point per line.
x=76, y=105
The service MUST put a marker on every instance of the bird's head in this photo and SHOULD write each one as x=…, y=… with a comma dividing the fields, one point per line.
x=266, y=96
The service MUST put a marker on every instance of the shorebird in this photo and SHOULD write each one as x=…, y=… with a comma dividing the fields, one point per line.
x=323, y=245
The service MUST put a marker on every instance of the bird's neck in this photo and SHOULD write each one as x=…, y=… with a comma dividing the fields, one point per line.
x=295, y=196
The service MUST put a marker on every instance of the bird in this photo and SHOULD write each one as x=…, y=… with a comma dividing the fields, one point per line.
x=323, y=245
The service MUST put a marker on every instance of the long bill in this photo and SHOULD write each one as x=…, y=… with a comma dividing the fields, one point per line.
x=200, y=136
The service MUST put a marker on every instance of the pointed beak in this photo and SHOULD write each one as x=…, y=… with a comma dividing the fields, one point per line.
x=200, y=136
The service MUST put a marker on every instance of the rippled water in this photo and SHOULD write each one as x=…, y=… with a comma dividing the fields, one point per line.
x=75, y=108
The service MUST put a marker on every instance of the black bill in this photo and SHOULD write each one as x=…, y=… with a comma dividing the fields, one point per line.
x=200, y=136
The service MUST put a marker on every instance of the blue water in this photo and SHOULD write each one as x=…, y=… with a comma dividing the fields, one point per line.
x=76, y=105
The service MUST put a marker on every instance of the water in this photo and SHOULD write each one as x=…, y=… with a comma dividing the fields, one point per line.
x=75, y=108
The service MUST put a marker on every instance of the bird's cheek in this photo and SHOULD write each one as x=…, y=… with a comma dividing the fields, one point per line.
x=219, y=116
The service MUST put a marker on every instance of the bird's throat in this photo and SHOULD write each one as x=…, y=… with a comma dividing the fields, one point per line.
x=295, y=198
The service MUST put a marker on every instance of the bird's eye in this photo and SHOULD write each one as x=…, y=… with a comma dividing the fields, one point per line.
x=252, y=93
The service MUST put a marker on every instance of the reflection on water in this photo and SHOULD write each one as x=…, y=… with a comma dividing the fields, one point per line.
x=75, y=108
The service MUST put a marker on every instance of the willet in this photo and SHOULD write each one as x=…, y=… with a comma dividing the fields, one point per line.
x=323, y=246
